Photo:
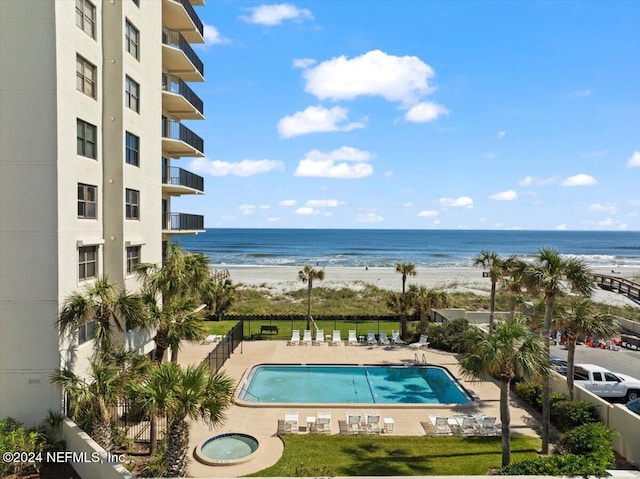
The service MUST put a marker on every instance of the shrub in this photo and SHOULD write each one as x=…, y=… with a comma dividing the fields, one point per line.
x=590, y=440
x=566, y=415
x=531, y=393
x=14, y=437
x=450, y=336
x=567, y=465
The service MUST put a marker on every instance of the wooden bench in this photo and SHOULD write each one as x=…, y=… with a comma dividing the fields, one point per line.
x=268, y=329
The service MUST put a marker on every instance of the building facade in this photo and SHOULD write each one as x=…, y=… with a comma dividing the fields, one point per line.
x=93, y=96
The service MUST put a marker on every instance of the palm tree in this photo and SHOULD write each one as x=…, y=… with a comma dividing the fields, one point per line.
x=547, y=275
x=406, y=270
x=218, y=295
x=424, y=300
x=109, y=305
x=489, y=260
x=308, y=275
x=581, y=319
x=184, y=394
x=510, y=350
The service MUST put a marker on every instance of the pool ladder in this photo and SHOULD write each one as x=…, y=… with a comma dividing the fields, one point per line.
x=420, y=361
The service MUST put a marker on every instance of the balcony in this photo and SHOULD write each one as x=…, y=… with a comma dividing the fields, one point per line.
x=180, y=16
x=182, y=223
x=179, y=58
x=180, y=100
x=178, y=140
x=177, y=181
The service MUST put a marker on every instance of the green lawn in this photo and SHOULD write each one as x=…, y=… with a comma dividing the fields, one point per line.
x=219, y=327
x=335, y=455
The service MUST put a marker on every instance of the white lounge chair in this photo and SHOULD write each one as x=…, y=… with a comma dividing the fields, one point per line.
x=372, y=422
x=384, y=340
x=290, y=421
x=371, y=338
x=467, y=425
x=352, y=339
x=306, y=338
x=209, y=339
x=395, y=337
x=295, y=338
x=487, y=426
x=422, y=342
x=354, y=423
x=323, y=422
x=319, y=337
x=440, y=425
x=336, y=340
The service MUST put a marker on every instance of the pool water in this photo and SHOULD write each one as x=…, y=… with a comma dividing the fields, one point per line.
x=227, y=448
x=367, y=384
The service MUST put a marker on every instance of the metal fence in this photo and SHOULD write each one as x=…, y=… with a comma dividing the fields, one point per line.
x=223, y=350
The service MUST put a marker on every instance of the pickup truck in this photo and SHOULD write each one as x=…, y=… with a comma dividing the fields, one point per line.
x=604, y=383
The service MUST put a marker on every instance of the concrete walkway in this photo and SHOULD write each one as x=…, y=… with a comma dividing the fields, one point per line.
x=262, y=421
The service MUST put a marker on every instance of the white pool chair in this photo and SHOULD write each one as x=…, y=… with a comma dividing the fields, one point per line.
x=295, y=338
x=352, y=339
x=336, y=340
x=440, y=425
x=372, y=422
x=323, y=422
x=467, y=425
x=306, y=338
x=209, y=339
x=371, y=338
x=354, y=423
x=422, y=342
x=290, y=421
x=395, y=337
x=487, y=426
x=319, y=337
x=384, y=340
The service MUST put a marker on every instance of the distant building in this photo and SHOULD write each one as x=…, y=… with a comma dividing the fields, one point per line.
x=92, y=98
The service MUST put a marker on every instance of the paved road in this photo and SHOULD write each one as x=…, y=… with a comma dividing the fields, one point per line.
x=625, y=361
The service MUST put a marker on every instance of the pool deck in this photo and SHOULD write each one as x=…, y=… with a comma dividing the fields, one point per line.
x=262, y=421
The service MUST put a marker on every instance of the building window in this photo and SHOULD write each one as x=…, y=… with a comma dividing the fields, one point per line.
x=133, y=258
x=132, y=149
x=86, y=331
x=87, y=201
x=131, y=39
x=85, y=77
x=87, y=262
x=86, y=16
x=132, y=95
x=86, y=139
x=132, y=204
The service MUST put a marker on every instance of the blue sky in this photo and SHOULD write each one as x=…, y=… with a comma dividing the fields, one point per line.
x=420, y=115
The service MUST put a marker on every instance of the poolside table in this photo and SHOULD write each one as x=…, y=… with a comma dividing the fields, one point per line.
x=388, y=424
x=311, y=422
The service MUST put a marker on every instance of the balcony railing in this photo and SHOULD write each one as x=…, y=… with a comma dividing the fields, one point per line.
x=177, y=131
x=175, y=39
x=183, y=222
x=173, y=84
x=192, y=15
x=180, y=177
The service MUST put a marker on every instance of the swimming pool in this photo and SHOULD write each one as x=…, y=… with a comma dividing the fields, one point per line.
x=364, y=384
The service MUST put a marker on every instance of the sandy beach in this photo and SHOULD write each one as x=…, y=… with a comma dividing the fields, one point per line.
x=284, y=278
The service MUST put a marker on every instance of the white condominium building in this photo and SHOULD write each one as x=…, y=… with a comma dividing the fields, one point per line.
x=93, y=96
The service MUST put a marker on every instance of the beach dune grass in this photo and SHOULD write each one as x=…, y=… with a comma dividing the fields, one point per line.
x=394, y=455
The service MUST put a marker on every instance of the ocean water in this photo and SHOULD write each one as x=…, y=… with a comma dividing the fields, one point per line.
x=424, y=248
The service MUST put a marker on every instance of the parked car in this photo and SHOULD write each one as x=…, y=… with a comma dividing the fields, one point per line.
x=559, y=364
x=634, y=406
x=606, y=384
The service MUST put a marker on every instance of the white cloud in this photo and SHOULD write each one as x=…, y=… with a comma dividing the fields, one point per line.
x=530, y=180
x=273, y=219
x=369, y=218
x=424, y=112
x=561, y=227
x=609, y=208
x=634, y=160
x=242, y=168
x=345, y=162
x=323, y=203
x=594, y=154
x=508, y=195
x=212, y=36
x=457, y=202
x=272, y=15
x=580, y=180
x=606, y=222
x=408, y=205
x=303, y=63
x=429, y=213
x=317, y=119
x=375, y=73
x=247, y=209
x=388, y=174
x=305, y=210
x=287, y=202
x=502, y=134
